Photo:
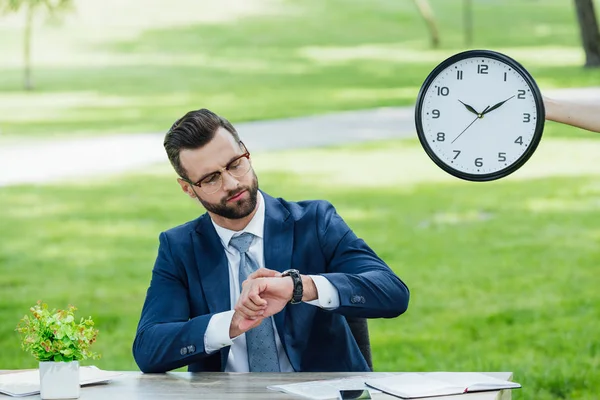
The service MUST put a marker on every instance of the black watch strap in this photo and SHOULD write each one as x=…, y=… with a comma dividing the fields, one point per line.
x=298, y=288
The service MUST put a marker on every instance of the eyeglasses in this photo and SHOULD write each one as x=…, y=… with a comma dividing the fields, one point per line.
x=237, y=168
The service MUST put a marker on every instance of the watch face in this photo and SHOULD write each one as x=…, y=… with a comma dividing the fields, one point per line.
x=479, y=115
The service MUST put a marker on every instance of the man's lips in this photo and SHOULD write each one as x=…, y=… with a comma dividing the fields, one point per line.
x=237, y=196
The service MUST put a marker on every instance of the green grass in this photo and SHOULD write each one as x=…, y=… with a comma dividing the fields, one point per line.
x=290, y=59
x=502, y=274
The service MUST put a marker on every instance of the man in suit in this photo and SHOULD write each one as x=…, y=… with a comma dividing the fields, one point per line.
x=256, y=283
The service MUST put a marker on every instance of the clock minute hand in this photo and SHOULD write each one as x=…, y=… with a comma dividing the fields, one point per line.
x=492, y=108
x=476, y=118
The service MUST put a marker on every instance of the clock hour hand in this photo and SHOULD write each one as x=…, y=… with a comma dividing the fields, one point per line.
x=468, y=107
x=492, y=108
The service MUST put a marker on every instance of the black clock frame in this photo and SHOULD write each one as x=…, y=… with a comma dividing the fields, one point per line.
x=535, y=91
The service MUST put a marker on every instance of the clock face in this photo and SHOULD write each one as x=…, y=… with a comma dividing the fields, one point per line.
x=479, y=115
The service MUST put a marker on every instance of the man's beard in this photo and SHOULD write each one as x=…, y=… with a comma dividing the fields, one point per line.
x=239, y=208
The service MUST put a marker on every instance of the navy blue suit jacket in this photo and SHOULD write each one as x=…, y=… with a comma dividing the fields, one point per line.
x=190, y=283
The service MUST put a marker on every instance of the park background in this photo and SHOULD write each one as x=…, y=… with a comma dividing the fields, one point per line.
x=503, y=275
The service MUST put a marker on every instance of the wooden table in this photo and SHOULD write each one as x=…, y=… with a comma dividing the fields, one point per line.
x=224, y=386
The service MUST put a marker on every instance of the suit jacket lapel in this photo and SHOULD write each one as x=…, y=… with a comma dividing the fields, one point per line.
x=213, y=270
x=278, y=245
x=212, y=266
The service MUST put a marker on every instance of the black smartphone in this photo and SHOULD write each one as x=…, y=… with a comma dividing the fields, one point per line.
x=354, y=395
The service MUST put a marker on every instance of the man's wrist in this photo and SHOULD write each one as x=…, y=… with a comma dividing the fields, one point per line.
x=310, y=289
x=234, y=330
x=548, y=108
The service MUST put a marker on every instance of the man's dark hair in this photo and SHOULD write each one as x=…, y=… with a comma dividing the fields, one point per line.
x=192, y=131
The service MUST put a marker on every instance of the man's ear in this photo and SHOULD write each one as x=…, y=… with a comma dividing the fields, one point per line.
x=186, y=187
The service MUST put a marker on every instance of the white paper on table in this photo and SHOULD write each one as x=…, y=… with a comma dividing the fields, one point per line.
x=27, y=383
x=326, y=389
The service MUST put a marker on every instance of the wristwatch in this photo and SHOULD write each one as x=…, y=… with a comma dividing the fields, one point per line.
x=298, y=288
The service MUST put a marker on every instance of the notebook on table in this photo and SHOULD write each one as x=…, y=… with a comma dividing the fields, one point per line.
x=416, y=385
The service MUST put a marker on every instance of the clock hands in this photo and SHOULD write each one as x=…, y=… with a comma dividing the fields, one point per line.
x=496, y=106
x=478, y=117
x=481, y=114
x=468, y=107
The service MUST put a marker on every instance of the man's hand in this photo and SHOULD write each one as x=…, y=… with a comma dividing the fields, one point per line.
x=264, y=273
x=265, y=293
x=240, y=325
x=263, y=297
x=260, y=299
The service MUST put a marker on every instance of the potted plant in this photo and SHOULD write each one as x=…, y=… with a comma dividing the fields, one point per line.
x=58, y=342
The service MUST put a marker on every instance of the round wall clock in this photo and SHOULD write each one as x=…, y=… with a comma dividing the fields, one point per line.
x=479, y=115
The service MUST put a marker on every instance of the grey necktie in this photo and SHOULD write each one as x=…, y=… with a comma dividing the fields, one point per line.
x=262, y=350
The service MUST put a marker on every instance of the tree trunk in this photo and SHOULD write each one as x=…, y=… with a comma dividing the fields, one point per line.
x=28, y=81
x=590, y=36
x=427, y=14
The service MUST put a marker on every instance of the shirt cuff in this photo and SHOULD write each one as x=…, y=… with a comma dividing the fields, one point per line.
x=327, y=294
x=217, y=332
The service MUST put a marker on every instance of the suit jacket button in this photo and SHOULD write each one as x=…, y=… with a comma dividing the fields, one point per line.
x=191, y=349
x=362, y=300
x=355, y=299
x=183, y=351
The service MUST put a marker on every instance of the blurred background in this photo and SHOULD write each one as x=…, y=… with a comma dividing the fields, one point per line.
x=502, y=274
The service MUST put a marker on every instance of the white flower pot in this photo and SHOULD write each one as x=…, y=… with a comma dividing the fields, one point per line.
x=59, y=380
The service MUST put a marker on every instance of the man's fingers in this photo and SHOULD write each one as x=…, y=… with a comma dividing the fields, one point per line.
x=256, y=301
x=264, y=273
x=250, y=304
x=251, y=295
x=248, y=312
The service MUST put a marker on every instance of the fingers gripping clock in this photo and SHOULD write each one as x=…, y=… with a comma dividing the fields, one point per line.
x=479, y=115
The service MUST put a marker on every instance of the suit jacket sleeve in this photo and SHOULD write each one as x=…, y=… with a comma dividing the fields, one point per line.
x=367, y=287
x=166, y=337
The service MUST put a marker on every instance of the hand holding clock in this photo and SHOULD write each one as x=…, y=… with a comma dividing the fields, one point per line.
x=575, y=113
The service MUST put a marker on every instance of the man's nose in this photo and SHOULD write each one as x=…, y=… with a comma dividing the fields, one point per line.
x=229, y=181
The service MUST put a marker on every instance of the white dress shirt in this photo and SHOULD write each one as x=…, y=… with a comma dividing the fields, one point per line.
x=217, y=332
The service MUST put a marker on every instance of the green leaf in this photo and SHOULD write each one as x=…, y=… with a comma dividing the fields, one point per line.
x=55, y=336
